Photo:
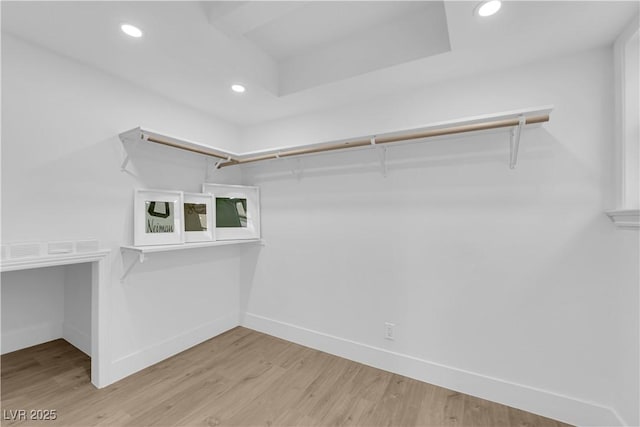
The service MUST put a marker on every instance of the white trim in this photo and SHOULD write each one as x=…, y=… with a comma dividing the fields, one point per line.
x=51, y=260
x=143, y=358
x=100, y=348
x=620, y=112
x=32, y=335
x=627, y=219
x=77, y=338
x=544, y=402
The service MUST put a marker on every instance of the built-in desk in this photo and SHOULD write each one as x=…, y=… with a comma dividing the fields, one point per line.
x=99, y=280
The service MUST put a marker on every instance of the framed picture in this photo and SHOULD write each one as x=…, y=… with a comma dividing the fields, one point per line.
x=199, y=217
x=158, y=217
x=237, y=211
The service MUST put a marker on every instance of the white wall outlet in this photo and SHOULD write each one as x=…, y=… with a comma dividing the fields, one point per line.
x=389, y=331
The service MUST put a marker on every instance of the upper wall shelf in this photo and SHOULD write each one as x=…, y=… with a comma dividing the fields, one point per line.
x=183, y=246
x=515, y=120
x=141, y=251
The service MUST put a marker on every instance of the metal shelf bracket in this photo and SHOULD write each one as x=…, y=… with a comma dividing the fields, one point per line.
x=514, y=142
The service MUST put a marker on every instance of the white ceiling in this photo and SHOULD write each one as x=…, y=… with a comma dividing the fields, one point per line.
x=297, y=57
x=312, y=25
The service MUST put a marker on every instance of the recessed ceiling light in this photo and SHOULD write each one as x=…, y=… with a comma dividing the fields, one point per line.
x=488, y=8
x=131, y=30
x=238, y=88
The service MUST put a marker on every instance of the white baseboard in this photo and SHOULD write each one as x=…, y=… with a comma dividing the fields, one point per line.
x=546, y=403
x=77, y=338
x=30, y=336
x=137, y=361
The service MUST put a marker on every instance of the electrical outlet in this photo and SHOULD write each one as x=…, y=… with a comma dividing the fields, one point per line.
x=389, y=331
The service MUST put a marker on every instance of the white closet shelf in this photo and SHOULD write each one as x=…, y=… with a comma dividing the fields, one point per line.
x=52, y=260
x=183, y=246
x=514, y=120
x=628, y=219
x=141, y=251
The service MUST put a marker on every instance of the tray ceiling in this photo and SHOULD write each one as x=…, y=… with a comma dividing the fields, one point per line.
x=297, y=57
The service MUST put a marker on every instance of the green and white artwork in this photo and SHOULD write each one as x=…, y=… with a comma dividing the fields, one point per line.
x=159, y=217
x=231, y=212
x=236, y=213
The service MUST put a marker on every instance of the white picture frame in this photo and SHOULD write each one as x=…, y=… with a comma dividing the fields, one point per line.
x=244, y=224
x=157, y=217
x=199, y=217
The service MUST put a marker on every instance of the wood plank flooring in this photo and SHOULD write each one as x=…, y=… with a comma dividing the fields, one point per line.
x=240, y=378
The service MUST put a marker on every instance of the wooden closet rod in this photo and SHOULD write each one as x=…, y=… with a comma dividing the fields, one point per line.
x=206, y=152
x=512, y=119
x=452, y=130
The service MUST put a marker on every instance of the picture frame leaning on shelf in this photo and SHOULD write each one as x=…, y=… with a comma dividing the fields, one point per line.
x=237, y=211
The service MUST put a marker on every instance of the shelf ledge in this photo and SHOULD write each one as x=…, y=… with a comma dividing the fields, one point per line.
x=141, y=251
x=52, y=260
x=183, y=246
x=626, y=219
x=515, y=120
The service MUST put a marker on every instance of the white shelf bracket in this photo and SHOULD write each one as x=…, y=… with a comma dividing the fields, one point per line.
x=134, y=142
x=138, y=259
x=220, y=162
x=296, y=169
x=209, y=167
x=382, y=155
x=213, y=166
x=124, y=164
x=514, y=142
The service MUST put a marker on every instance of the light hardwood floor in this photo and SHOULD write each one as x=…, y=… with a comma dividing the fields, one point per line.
x=239, y=378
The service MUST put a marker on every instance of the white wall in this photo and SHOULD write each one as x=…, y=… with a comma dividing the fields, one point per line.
x=509, y=284
x=76, y=328
x=45, y=304
x=61, y=180
x=32, y=307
